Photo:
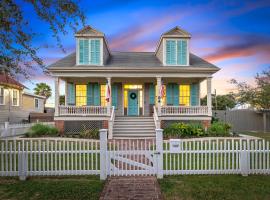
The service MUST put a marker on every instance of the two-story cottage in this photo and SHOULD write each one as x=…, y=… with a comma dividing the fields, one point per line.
x=131, y=93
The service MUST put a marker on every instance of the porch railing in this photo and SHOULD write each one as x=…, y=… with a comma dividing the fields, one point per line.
x=83, y=110
x=184, y=110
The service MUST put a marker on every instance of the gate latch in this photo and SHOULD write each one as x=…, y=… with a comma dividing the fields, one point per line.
x=157, y=153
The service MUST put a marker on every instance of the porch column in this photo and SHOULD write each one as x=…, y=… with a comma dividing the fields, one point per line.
x=56, y=97
x=158, y=95
x=110, y=102
x=209, y=95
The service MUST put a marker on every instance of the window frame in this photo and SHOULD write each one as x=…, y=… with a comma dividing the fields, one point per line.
x=185, y=96
x=18, y=97
x=2, y=88
x=38, y=104
x=89, y=53
x=76, y=90
x=165, y=52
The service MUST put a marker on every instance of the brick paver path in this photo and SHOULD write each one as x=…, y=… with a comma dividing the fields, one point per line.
x=135, y=188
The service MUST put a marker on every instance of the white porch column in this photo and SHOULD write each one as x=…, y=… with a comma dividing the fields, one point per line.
x=209, y=95
x=158, y=95
x=56, y=97
x=66, y=93
x=109, y=104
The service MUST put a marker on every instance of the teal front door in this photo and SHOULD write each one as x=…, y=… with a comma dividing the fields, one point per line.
x=133, y=102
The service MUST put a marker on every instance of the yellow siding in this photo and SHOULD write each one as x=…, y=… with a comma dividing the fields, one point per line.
x=28, y=102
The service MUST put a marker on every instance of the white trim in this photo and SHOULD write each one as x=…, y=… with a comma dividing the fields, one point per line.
x=1, y=87
x=101, y=52
x=18, y=97
x=164, y=51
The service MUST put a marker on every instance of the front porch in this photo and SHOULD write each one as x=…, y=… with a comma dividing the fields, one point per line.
x=85, y=97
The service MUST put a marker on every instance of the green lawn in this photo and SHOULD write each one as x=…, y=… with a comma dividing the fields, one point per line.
x=265, y=136
x=58, y=188
x=229, y=187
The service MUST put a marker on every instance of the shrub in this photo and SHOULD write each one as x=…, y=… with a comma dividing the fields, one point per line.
x=90, y=134
x=181, y=130
x=219, y=129
x=39, y=130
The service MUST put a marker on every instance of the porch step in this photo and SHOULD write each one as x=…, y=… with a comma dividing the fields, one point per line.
x=134, y=127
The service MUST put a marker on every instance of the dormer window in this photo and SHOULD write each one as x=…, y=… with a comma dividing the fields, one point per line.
x=176, y=52
x=89, y=51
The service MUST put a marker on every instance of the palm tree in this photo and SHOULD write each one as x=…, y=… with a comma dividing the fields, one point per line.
x=43, y=89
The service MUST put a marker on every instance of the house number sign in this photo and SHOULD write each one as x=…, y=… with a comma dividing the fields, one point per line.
x=175, y=145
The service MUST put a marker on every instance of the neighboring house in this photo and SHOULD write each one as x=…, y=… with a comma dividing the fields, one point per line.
x=135, y=79
x=15, y=104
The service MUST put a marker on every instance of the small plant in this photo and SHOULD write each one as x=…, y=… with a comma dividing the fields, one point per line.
x=39, y=130
x=219, y=129
x=90, y=134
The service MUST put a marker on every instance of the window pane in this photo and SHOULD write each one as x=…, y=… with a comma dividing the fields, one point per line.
x=103, y=95
x=184, y=95
x=81, y=96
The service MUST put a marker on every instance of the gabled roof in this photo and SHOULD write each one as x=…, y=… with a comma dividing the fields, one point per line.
x=177, y=32
x=89, y=31
x=33, y=95
x=130, y=60
x=9, y=81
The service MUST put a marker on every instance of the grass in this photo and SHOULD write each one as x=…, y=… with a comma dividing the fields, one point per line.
x=55, y=188
x=216, y=187
x=265, y=136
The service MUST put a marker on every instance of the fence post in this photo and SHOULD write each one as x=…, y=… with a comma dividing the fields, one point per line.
x=159, y=149
x=244, y=158
x=6, y=125
x=103, y=150
x=22, y=163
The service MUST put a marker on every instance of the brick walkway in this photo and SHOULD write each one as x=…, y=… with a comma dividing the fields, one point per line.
x=135, y=188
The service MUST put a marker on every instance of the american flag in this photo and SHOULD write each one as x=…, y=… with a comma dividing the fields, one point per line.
x=108, y=93
x=162, y=91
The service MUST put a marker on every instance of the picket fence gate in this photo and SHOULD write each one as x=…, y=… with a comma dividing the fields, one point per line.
x=129, y=157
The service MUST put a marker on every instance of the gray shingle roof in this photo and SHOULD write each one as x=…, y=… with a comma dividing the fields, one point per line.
x=132, y=59
x=177, y=31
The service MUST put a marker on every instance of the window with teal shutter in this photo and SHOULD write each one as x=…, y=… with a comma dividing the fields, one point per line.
x=169, y=94
x=71, y=94
x=152, y=94
x=114, y=96
x=81, y=51
x=95, y=52
x=175, y=94
x=170, y=52
x=96, y=94
x=194, y=94
x=90, y=92
x=182, y=52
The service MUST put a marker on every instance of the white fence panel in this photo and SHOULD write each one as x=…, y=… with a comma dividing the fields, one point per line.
x=47, y=157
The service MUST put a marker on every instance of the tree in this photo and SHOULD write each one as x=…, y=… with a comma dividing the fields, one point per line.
x=17, y=53
x=43, y=89
x=223, y=101
x=257, y=96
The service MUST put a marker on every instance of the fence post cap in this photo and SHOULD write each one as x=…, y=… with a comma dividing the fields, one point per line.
x=103, y=130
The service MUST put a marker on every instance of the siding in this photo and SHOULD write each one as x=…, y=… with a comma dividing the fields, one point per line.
x=160, y=52
x=28, y=103
x=106, y=54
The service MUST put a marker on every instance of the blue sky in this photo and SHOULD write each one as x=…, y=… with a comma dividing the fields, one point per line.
x=234, y=35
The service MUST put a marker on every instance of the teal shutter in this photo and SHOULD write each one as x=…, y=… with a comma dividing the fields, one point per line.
x=169, y=94
x=81, y=51
x=170, y=52
x=96, y=94
x=90, y=92
x=71, y=94
x=181, y=52
x=175, y=94
x=95, y=52
x=152, y=94
x=85, y=51
x=114, y=95
x=194, y=94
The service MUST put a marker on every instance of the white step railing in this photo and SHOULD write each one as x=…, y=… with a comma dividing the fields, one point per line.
x=83, y=110
x=156, y=120
x=184, y=110
x=111, y=122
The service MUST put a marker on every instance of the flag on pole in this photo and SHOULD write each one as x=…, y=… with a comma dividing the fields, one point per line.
x=162, y=91
x=108, y=93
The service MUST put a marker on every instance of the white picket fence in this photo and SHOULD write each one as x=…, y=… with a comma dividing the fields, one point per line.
x=11, y=130
x=61, y=156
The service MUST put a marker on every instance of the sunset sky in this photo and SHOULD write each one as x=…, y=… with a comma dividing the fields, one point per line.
x=234, y=35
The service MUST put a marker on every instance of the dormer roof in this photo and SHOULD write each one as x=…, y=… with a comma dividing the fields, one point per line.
x=89, y=31
x=176, y=32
